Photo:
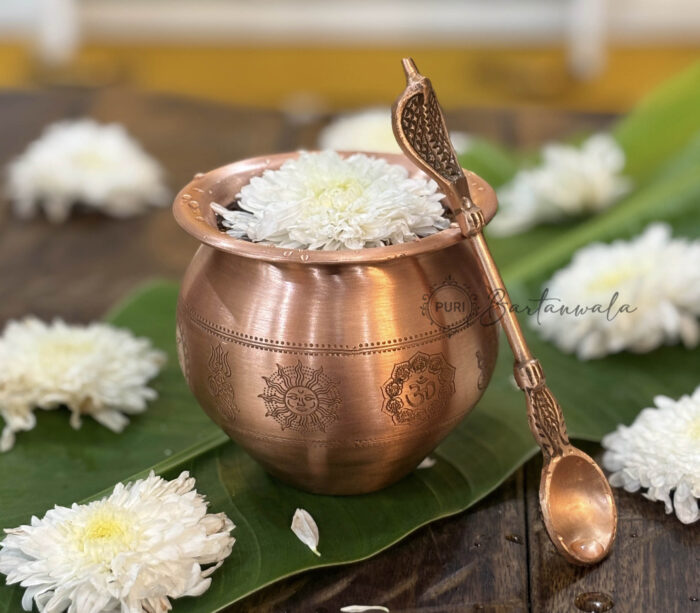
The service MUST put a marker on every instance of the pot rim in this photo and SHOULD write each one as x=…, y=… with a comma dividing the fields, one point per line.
x=192, y=211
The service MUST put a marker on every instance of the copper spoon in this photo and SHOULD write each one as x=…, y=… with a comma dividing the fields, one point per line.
x=576, y=501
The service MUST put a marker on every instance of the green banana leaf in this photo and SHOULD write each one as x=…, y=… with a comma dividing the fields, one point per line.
x=493, y=163
x=54, y=464
x=662, y=124
x=654, y=137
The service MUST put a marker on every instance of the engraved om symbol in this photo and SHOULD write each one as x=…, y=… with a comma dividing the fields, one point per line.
x=423, y=390
x=418, y=389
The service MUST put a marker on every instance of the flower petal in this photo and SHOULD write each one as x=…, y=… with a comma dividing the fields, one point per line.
x=306, y=530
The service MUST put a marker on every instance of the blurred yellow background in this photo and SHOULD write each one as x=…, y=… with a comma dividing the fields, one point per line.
x=600, y=55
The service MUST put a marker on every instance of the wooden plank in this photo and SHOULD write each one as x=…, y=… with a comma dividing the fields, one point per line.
x=653, y=565
x=23, y=115
x=526, y=128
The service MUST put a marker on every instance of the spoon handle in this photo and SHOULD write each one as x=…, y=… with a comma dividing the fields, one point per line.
x=421, y=132
x=544, y=414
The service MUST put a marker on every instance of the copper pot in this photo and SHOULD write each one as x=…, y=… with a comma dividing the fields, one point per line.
x=338, y=371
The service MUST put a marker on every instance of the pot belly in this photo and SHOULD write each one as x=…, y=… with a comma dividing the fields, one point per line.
x=338, y=380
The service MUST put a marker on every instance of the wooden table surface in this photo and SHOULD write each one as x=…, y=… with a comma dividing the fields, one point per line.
x=496, y=556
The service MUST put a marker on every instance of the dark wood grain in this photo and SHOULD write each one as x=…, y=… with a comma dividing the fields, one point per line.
x=465, y=563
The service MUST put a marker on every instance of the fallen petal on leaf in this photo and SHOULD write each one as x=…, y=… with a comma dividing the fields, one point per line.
x=304, y=526
x=427, y=463
x=359, y=608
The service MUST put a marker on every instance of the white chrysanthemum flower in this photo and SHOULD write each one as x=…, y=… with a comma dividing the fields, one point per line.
x=128, y=553
x=570, y=181
x=370, y=130
x=656, y=275
x=660, y=452
x=99, y=166
x=95, y=370
x=324, y=201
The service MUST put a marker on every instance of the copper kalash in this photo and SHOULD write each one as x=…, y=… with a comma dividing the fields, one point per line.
x=339, y=371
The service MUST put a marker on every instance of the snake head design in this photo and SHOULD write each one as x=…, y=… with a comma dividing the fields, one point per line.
x=421, y=132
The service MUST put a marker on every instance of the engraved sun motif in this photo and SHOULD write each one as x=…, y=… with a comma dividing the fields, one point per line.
x=418, y=388
x=301, y=398
x=219, y=382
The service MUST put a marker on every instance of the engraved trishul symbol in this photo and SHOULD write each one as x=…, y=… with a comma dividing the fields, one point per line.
x=219, y=381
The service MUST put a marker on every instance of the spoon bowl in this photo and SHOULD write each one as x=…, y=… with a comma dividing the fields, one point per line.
x=578, y=507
